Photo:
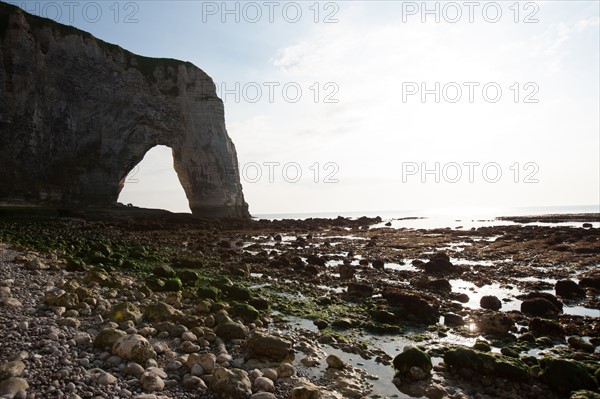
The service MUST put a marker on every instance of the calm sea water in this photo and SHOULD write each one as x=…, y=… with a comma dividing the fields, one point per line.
x=452, y=218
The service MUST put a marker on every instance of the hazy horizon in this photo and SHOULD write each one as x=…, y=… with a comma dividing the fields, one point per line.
x=372, y=102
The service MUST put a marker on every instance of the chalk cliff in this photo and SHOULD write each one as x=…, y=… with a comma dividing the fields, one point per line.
x=77, y=114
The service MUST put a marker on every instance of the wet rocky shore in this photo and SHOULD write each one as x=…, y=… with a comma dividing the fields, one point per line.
x=321, y=308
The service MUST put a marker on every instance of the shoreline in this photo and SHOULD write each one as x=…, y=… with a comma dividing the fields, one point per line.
x=331, y=287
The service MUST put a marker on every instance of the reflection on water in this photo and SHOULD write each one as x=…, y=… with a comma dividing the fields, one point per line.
x=507, y=295
x=392, y=345
x=404, y=268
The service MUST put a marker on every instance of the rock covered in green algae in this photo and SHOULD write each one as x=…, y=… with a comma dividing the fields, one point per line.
x=546, y=328
x=173, y=284
x=209, y=292
x=412, y=357
x=420, y=307
x=229, y=329
x=565, y=376
x=247, y=312
x=164, y=271
x=486, y=363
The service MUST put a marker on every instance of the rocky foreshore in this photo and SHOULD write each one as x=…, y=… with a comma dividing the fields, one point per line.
x=297, y=309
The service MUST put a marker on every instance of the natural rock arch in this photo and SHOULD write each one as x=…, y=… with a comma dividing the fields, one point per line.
x=76, y=114
x=153, y=183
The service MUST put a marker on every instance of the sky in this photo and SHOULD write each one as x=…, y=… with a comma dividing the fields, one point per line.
x=365, y=105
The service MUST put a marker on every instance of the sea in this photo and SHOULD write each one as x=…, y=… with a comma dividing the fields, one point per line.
x=454, y=218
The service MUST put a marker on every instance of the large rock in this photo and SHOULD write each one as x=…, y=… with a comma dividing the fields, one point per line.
x=546, y=328
x=305, y=391
x=490, y=302
x=270, y=346
x=545, y=295
x=412, y=357
x=419, y=307
x=134, y=347
x=565, y=376
x=539, y=307
x=229, y=329
x=569, y=289
x=206, y=360
x=231, y=383
x=78, y=114
x=107, y=337
x=486, y=363
x=160, y=311
x=439, y=263
x=125, y=311
x=152, y=382
x=495, y=323
x=12, y=385
x=11, y=369
x=66, y=300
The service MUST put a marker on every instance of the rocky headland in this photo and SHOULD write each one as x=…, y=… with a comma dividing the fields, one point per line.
x=78, y=114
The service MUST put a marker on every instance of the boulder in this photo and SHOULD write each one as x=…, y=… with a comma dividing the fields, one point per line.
x=125, y=311
x=12, y=385
x=539, y=307
x=419, y=307
x=591, y=280
x=134, y=347
x=66, y=300
x=545, y=295
x=439, y=285
x=580, y=344
x=452, y=319
x=269, y=346
x=439, y=263
x=486, y=363
x=495, y=323
x=247, y=312
x=151, y=382
x=160, y=311
x=231, y=383
x=164, y=271
x=229, y=329
x=335, y=362
x=11, y=369
x=305, y=391
x=565, y=376
x=412, y=357
x=107, y=337
x=490, y=302
x=360, y=290
x=546, y=328
x=264, y=384
x=206, y=360
x=569, y=289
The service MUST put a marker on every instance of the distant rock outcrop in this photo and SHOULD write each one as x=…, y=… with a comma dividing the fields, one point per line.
x=77, y=114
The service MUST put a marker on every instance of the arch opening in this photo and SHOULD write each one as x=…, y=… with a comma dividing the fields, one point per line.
x=154, y=183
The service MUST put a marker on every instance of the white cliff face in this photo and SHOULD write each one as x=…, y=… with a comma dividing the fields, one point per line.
x=77, y=114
